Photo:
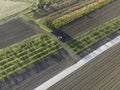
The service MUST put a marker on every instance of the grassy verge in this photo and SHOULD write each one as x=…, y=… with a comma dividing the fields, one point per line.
x=25, y=53
x=88, y=39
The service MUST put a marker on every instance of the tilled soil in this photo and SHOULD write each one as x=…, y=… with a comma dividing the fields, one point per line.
x=101, y=73
x=14, y=31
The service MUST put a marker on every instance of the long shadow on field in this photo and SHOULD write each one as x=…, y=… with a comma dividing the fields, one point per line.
x=65, y=37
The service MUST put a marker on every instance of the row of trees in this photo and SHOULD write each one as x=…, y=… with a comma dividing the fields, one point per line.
x=88, y=39
x=25, y=53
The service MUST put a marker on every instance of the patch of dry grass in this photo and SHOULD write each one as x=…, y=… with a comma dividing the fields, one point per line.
x=8, y=8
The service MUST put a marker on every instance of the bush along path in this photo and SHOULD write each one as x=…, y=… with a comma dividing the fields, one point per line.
x=25, y=53
x=89, y=38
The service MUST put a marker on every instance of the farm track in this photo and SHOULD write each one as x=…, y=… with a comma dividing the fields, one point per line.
x=102, y=73
x=86, y=23
x=14, y=31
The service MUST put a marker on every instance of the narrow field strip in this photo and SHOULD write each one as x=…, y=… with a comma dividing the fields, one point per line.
x=89, y=38
x=46, y=85
x=25, y=53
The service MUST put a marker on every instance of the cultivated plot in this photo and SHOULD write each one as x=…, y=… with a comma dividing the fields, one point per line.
x=14, y=31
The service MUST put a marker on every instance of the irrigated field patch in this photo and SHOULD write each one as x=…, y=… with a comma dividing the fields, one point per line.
x=8, y=8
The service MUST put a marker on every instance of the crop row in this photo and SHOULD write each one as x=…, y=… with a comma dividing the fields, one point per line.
x=69, y=17
x=89, y=38
x=25, y=53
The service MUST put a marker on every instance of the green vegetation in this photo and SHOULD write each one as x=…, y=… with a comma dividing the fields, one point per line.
x=69, y=17
x=25, y=53
x=89, y=38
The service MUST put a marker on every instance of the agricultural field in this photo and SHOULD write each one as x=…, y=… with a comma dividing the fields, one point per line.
x=56, y=23
x=48, y=36
x=25, y=53
x=14, y=31
x=53, y=64
x=8, y=8
x=67, y=18
x=89, y=38
x=92, y=20
x=101, y=73
x=29, y=59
